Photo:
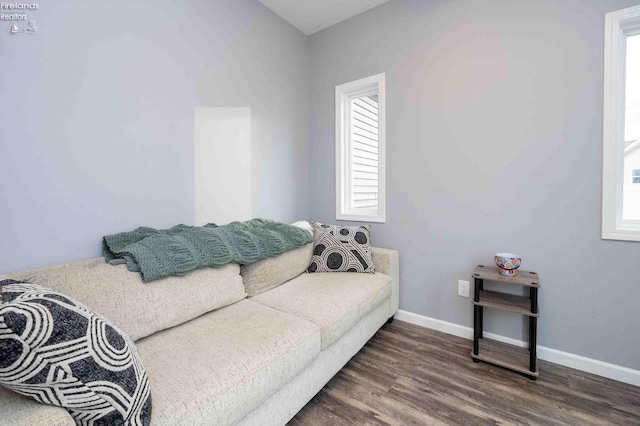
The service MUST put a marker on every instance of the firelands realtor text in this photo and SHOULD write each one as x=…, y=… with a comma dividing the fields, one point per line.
x=12, y=11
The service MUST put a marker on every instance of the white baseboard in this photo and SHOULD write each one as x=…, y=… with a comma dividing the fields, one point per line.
x=600, y=368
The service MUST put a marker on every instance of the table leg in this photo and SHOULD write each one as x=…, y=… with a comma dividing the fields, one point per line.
x=476, y=329
x=533, y=329
x=477, y=316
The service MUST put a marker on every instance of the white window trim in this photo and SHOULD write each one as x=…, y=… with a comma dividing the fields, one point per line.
x=344, y=94
x=618, y=25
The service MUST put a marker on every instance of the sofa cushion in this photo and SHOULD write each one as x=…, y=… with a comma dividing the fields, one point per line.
x=21, y=410
x=266, y=274
x=137, y=308
x=341, y=248
x=334, y=302
x=216, y=369
x=59, y=352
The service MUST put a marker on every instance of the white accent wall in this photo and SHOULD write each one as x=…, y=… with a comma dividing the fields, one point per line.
x=223, y=167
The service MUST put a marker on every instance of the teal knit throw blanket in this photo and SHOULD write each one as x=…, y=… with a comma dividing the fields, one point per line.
x=162, y=253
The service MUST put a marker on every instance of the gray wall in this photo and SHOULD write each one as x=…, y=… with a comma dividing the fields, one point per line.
x=494, y=140
x=494, y=124
x=97, y=118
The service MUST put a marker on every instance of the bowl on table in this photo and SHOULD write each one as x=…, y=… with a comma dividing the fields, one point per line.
x=508, y=263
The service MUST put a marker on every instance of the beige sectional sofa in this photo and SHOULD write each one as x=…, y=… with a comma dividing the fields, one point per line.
x=244, y=345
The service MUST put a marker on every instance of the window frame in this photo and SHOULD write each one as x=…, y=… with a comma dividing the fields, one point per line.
x=618, y=26
x=344, y=94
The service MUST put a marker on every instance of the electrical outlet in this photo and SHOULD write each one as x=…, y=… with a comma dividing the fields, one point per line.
x=463, y=288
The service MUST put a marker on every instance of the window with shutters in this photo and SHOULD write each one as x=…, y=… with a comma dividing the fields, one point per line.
x=360, y=150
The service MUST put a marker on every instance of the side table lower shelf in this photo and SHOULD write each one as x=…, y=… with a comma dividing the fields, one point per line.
x=504, y=355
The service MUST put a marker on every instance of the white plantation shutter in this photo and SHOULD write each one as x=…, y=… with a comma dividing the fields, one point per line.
x=360, y=150
x=364, y=152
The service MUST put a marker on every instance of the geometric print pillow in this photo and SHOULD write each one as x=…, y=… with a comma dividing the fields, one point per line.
x=341, y=249
x=59, y=352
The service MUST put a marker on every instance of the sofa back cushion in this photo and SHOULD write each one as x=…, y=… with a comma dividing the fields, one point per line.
x=137, y=308
x=266, y=274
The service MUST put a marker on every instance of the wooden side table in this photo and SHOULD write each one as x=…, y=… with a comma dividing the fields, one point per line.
x=523, y=360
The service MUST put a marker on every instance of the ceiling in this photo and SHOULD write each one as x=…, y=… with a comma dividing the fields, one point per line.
x=311, y=16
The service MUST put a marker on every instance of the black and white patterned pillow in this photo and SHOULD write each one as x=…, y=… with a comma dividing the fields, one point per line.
x=59, y=352
x=341, y=249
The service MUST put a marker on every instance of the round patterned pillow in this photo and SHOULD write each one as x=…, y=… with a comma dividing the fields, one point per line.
x=59, y=352
x=341, y=249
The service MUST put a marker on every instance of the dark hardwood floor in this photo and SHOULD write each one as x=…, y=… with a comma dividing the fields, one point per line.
x=410, y=375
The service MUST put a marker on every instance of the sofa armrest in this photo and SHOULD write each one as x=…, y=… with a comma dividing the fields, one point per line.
x=387, y=262
x=19, y=410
